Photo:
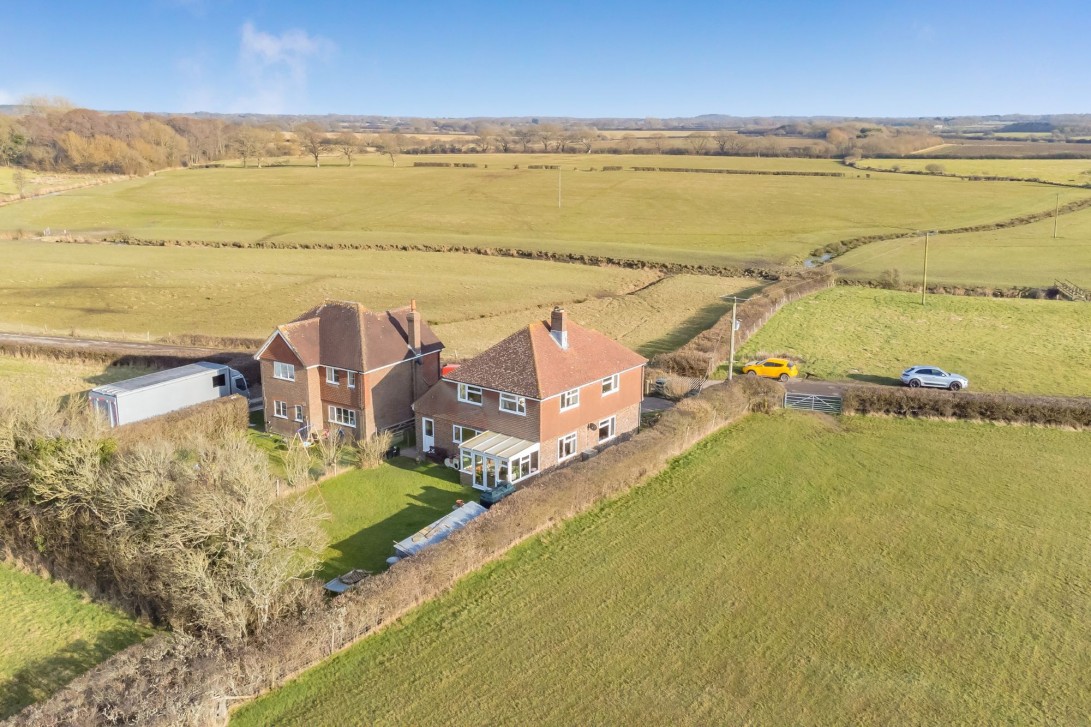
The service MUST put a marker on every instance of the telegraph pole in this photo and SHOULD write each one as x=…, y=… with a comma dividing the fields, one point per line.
x=734, y=325
x=924, y=284
x=1056, y=214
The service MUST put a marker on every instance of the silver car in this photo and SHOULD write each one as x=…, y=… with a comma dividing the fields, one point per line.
x=917, y=376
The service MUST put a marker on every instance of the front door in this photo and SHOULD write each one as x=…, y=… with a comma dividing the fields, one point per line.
x=428, y=430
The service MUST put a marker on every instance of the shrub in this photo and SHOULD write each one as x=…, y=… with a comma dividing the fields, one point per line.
x=297, y=463
x=891, y=279
x=1008, y=408
x=368, y=453
x=935, y=169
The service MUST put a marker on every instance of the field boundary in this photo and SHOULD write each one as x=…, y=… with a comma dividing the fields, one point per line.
x=773, y=272
x=835, y=249
x=167, y=681
x=968, y=177
x=1048, y=411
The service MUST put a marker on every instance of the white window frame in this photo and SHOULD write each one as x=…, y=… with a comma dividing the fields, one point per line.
x=524, y=465
x=342, y=416
x=611, y=422
x=574, y=437
x=457, y=432
x=464, y=391
x=614, y=382
x=332, y=377
x=298, y=412
x=518, y=404
x=567, y=396
x=350, y=378
x=280, y=409
x=283, y=371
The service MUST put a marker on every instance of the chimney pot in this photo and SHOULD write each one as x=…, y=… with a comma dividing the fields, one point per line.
x=413, y=318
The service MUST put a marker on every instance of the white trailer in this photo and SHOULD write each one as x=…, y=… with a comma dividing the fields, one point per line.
x=150, y=395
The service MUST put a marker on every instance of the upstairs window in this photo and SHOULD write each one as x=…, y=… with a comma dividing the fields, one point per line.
x=513, y=404
x=350, y=379
x=470, y=394
x=610, y=384
x=570, y=399
x=283, y=371
x=333, y=376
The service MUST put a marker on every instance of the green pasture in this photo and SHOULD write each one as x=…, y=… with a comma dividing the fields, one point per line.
x=868, y=335
x=791, y=569
x=681, y=217
x=1024, y=256
x=472, y=300
x=54, y=634
x=31, y=377
x=370, y=510
x=1066, y=171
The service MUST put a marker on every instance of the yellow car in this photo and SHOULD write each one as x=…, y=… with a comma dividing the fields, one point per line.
x=772, y=368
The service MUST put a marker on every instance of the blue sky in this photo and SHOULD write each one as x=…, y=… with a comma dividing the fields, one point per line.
x=634, y=58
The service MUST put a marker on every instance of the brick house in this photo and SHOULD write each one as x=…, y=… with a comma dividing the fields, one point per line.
x=533, y=401
x=342, y=366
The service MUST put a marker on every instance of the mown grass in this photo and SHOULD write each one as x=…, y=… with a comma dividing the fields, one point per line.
x=1027, y=255
x=1067, y=171
x=789, y=570
x=54, y=634
x=697, y=218
x=370, y=510
x=473, y=301
x=1032, y=346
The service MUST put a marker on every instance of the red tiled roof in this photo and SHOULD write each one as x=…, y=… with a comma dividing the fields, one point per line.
x=531, y=363
x=347, y=335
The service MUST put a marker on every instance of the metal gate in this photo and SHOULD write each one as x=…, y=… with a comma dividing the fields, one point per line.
x=813, y=402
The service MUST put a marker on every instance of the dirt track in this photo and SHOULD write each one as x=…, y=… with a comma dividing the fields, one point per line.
x=63, y=343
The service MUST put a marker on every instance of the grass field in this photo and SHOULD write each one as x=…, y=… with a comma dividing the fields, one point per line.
x=37, y=377
x=473, y=301
x=372, y=509
x=1067, y=171
x=55, y=633
x=1027, y=255
x=842, y=576
x=699, y=218
x=1035, y=346
x=39, y=182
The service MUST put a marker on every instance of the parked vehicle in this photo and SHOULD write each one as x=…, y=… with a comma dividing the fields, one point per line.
x=772, y=368
x=917, y=376
x=162, y=392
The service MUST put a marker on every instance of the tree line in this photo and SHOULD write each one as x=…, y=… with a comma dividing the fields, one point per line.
x=52, y=135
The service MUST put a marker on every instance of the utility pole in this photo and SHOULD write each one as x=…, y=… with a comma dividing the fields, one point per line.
x=924, y=284
x=1056, y=214
x=734, y=324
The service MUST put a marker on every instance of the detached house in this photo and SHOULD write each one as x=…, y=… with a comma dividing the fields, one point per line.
x=533, y=401
x=341, y=366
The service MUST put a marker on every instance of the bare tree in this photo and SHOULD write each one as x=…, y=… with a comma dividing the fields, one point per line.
x=628, y=141
x=311, y=139
x=698, y=141
x=331, y=445
x=584, y=137
x=249, y=143
x=549, y=135
x=391, y=145
x=658, y=140
x=526, y=137
x=724, y=139
x=297, y=463
x=504, y=140
x=19, y=179
x=348, y=145
x=486, y=135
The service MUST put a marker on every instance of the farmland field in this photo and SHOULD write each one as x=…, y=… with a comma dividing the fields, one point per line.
x=39, y=182
x=25, y=377
x=1034, y=346
x=679, y=217
x=1017, y=256
x=1067, y=171
x=473, y=300
x=838, y=578
x=54, y=634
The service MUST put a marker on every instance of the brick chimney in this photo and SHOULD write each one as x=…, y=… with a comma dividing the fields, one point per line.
x=413, y=319
x=558, y=327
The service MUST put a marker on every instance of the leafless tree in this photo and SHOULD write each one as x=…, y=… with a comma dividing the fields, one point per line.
x=526, y=136
x=348, y=144
x=19, y=179
x=627, y=141
x=311, y=139
x=698, y=141
x=658, y=140
x=724, y=139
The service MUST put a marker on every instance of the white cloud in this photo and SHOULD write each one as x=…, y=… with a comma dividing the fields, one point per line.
x=276, y=66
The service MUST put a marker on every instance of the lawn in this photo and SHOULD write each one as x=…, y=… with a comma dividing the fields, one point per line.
x=473, y=301
x=372, y=509
x=845, y=575
x=1024, y=256
x=1034, y=346
x=55, y=633
x=696, y=218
